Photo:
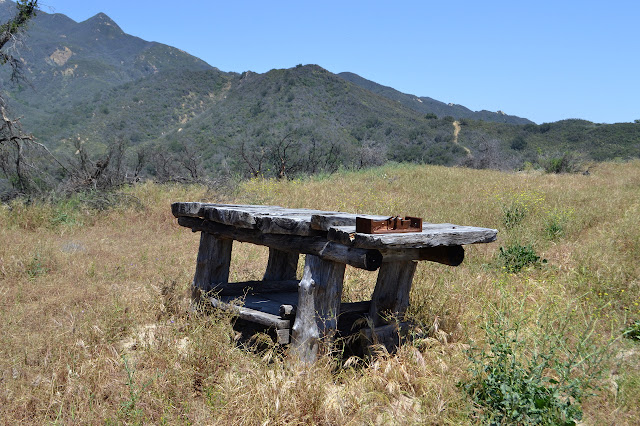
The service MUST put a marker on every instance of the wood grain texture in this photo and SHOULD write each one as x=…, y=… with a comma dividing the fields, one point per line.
x=447, y=255
x=197, y=209
x=315, y=245
x=305, y=335
x=282, y=265
x=329, y=277
x=326, y=220
x=213, y=261
x=432, y=235
x=269, y=219
x=388, y=336
x=318, y=307
x=391, y=295
x=256, y=287
x=253, y=315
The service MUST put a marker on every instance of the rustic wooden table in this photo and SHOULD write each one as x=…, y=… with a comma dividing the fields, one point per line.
x=305, y=312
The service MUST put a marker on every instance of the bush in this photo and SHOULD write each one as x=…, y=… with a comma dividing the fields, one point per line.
x=556, y=224
x=519, y=143
x=632, y=331
x=566, y=163
x=541, y=381
x=516, y=257
x=516, y=206
x=513, y=215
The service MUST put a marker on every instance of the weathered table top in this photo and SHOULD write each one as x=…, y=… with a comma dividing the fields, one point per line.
x=339, y=227
x=330, y=242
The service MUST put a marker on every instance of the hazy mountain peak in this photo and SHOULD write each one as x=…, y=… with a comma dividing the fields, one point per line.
x=101, y=23
x=101, y=18
x=428, y=105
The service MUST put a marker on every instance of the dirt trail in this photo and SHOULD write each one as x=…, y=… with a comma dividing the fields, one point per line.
x=456, y=131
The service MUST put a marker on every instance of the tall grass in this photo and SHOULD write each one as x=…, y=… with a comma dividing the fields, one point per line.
x=95, y=326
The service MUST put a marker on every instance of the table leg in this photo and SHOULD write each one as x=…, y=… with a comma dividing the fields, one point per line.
x=391, y=295
x=319, y=297
x=282, y=266
x=212, y=265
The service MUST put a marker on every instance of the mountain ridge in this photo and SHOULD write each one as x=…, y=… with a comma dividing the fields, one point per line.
x=93, y=82
x=427, y=105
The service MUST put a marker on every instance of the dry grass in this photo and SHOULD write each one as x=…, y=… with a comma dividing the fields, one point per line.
x=95, y=328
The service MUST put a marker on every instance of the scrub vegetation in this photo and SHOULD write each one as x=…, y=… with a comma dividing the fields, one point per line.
x=95, y=325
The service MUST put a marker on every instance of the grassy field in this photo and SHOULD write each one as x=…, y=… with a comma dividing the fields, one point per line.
x=95, y=325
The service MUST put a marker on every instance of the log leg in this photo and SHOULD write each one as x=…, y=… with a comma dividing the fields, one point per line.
x=282, y=265
x=391, y=295
x=319, y=297
x=212, y=267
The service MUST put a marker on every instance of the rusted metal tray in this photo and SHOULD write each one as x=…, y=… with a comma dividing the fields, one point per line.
x=391, y=225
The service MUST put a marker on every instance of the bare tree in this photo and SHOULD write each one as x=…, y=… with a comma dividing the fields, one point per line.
x=254, y=159
x=285, y=162
x=191, y=160
x=14, y=163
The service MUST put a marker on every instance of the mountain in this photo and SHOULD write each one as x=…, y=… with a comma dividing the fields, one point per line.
x=65, y=62
x=96, y=87
x=427, y=105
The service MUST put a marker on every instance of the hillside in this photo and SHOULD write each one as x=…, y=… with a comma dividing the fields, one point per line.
x=427, y=105
x=96, y=326
x=66, y=63
x=91, y=82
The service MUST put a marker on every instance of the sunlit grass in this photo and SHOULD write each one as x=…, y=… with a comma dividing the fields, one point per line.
x=83, y=290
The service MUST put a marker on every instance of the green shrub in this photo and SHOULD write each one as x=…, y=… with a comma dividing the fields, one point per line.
x=516, y=256
x=516, y=206
x=632, y=331
x=36, y=266
x=513, y=215
x=565, y=163
x=518, y=143
x=511, y=383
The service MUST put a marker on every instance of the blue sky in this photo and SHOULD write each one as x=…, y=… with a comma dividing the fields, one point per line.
x=543, y=60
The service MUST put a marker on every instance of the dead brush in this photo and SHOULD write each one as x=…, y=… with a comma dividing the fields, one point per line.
x=173, y=300
x=62, y=333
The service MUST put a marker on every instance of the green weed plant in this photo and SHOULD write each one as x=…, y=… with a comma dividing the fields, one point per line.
x=632, y=331
x=516, y=257
x=517, y=206
x=556, y=224
x=531, y=380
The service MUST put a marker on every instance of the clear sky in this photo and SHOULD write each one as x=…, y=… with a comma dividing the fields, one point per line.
x=543, y=60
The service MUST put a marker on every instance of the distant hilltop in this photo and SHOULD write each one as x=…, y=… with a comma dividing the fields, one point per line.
x=92, y=84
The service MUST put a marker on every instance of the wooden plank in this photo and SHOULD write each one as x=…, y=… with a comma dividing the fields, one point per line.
x=287, y=223
x=447, y=255
x=318, y=307
x=197, y=209
x=256, y=287
x=391, y=295
x=289, y=298
x=282, y=265
x=238, y=216
x=265, y=303
x=274, y=219
x=283, y=336
x=432, y=235
x=315, y=245
x=288, y=311
x=355, y=307
x=389, y=336
x=253, y=315
x=305, y=335
x=326, y=220
x=212, y=265
x=187, y=209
